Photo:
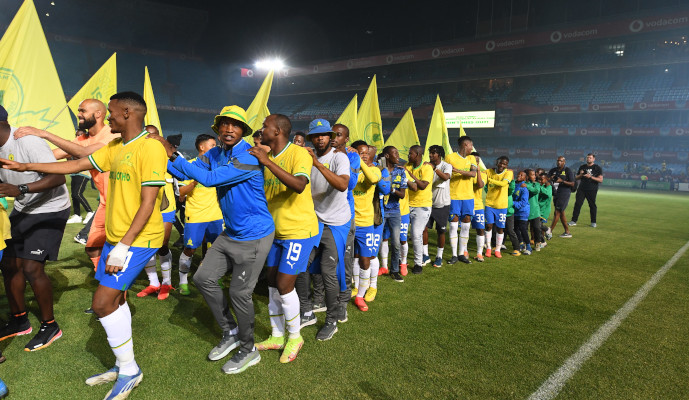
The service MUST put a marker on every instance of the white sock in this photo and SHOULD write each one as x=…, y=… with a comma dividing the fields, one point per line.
x=384, y=251
x=489, y=238
x=375, y=266
x=355, y=272
x=166, y=268
x=453, y=237
x=480, y=240
x=277, y=318
x=464, y=229
x=184, y=267
x=440, y=252
x=498, y=241
x=150, y=269
x=405, y=251
x=290, y=305
x=364, y=281
x=118, y=329
x=425, y=250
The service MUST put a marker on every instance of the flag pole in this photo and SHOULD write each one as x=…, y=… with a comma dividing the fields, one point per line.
x=53, y=120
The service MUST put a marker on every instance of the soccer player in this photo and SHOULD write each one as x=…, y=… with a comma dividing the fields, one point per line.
x=478, y=220
x=497, y=199
x=464, y=167
x=404, y=227
x=420, y=202
x=393, y=220
x=329, y=180
x=299, y=139
x=520, y=198
x=365, y=246
x=244, y=245
x=563, y=182
x=203, y=218
x=134, y=227
x=441, y=201
x=591, y=175
x=41, y=209
x=382, y=190
x=288, y=191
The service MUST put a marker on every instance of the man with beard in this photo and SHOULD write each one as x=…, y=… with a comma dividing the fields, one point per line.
x=563, y=181
x=497, y=182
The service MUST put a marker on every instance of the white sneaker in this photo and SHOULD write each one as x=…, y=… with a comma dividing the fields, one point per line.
x=88, y=217
x=74, y=219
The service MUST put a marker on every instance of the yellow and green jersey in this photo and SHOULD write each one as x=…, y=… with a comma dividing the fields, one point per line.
x=292, y=212
x=131, y=166
x=169, y=193
x=498, y=186
x=461, y=187
x=421, y=198
x=478, y=193
x=202, y=203
x=363, y=196
x=404, y=203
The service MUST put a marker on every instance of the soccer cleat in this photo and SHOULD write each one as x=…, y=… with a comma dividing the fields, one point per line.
x=516, y=253
x=466, y=254
x=47, y=334
x=184, y=289
x=319, y=307
x=526, y=252
x=164, y=292
x=361, y=304
x=272, y=343
x=478, y=258
x=498, y=254
x=326, y=332
x=383, y=271
x=593, y=224
x=572, y=223
x=307, y=320
x=291, y=349
x=396, y=277
x=438, y=262
x=371, y=294
x=16, y=327
x=80, y=239
x=124, y=385
x=228, y=343
x=464, y=259
x=104, y=377
x=403, y=269
x=240, y=361
x=417, y=269
x=488, y=253
x=566, y=235
x=74, y=219
x=453, y=260
x=148, y=290
x=355, y=291
x=426, y=260
x=3, y=389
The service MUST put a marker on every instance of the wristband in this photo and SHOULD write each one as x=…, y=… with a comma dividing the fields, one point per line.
x=118, y=255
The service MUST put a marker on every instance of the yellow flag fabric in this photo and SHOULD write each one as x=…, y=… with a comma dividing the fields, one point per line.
x=437, y=132
x=101, y=86
x=348, y=118
x=404, y=136
x=30, y=88
x=370, y=125
x=151, y=109
x=258, y=110
x=481, y=165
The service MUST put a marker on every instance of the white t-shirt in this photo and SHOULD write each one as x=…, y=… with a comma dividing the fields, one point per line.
x=441, y=189
x=331, y=205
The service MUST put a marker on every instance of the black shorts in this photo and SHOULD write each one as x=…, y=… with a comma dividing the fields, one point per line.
x=561, y=202
x=440, y=216
x=36, y=236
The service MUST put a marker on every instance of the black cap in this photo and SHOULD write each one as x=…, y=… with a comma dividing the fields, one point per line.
x=175, y=140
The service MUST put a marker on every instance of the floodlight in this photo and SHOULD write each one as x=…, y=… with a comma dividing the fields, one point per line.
x=268, y=64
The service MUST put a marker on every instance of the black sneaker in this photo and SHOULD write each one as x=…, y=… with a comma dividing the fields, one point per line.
x=48, y=333
x=319, y=307
x=343, y=313
x=396, y=276
x=327, y=331
x=80, y=239
x=88, y=311
x=307, y=320
x=417, y=269
x=464, y=259
x=453, y=260
x=16, y=326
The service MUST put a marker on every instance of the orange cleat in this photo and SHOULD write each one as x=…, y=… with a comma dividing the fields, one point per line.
x=497, y=254
x=383, y=271
x=149, y=290
x=164, y=291
x=403, y=269
x=361, y=304
x=488, y=252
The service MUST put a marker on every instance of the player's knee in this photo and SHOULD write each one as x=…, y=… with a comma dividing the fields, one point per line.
x=33, y=270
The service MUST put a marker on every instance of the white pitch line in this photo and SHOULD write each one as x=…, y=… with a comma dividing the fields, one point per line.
x=554, y=384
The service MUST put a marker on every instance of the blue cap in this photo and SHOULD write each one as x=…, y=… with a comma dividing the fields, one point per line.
x=3, y=114
x=320, y=126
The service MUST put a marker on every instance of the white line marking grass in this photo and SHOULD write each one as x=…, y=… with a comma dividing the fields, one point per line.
x=554, y=384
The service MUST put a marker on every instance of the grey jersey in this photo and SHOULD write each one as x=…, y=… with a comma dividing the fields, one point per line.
x=331, y=205
x=441, y=189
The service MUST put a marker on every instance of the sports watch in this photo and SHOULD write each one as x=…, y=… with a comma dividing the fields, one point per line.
x=23, y=189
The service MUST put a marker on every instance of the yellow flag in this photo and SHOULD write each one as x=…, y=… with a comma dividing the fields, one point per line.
x=370, y=125
x=437, y=132
x=258, y=110
x=348, y=119
x=30, y=89
x=101, y=86
x=152, y=111
x=482, y=166
x=404, y=136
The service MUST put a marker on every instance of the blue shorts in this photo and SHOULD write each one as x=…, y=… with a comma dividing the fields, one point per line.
x=478, y=221
x=169, y=217
x=136, y=260
x=496, y=216
x=194, y=232
x=366, y=241
x=404, y=229
x=460, y=208
x=291, y=256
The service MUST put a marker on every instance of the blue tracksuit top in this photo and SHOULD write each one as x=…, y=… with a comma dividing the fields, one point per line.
x=238, y=179
x=384, y=185
x=354, y=171
x=520, y=198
